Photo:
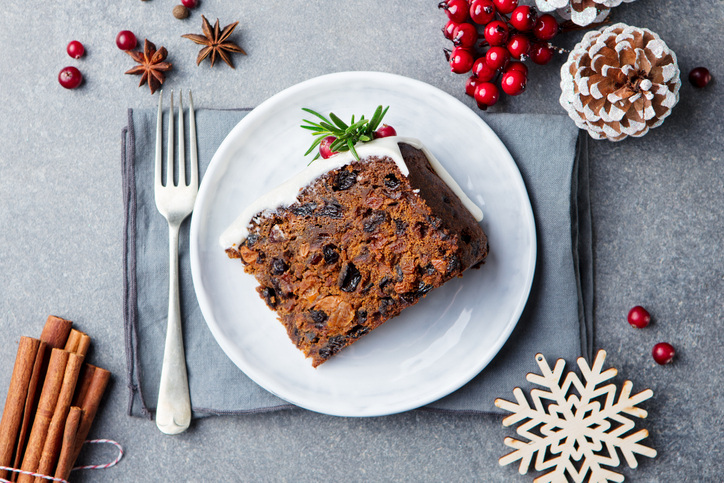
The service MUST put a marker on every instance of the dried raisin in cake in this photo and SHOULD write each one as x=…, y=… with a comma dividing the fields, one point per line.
x=348, y=244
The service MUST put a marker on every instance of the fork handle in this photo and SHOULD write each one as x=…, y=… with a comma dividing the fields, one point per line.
x=173, y=412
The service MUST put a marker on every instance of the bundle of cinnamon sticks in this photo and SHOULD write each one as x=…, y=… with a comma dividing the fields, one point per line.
x=51, y=403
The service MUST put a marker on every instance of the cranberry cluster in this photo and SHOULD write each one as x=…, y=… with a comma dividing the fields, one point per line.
x=663, y=352
x=511, y=34
x=70, y=77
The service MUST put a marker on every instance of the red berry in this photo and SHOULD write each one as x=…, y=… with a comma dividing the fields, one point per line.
x=75, y=49
x=541, y=53
x=496, y=32
x=189, y=3
x=663, y=353
x=385, y=131
x=449, y=29
x=456, y=10
x=461, y=60
x=482, y=11
x=518, y=46
x=513, y=82
x=519, y=66
x=465, y=35
x=325, y=149
x=496, y=57
x=699, y=77
x=470, y=85
x=505, y=6
x=638, y=317
x=486, y=94
x=523, y=18
x=483, y=71
x=70, y=77
x=546, y=27
x=125, y=40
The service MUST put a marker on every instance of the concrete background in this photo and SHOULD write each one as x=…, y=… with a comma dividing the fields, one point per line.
x=657, y=214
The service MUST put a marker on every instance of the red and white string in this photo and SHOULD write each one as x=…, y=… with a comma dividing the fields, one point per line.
x=88, y=467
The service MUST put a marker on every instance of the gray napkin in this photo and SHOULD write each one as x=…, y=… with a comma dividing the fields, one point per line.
x=557, y=320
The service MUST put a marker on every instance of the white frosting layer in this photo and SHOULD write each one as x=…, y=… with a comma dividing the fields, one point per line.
x=286, y=194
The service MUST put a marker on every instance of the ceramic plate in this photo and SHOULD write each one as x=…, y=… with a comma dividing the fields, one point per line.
x=434, y=347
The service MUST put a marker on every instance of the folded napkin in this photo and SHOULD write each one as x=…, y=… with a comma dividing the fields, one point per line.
x=556, y=322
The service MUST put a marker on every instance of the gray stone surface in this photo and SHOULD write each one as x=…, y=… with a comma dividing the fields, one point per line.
x=657, y=214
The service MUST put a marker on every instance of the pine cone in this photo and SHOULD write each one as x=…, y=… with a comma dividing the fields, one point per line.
x=620, y=81
x=580, y=12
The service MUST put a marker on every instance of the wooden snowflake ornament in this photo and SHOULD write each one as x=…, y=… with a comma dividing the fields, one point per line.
x=575, y=428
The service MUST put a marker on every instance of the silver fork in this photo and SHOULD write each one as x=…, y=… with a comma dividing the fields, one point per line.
x=175, y=202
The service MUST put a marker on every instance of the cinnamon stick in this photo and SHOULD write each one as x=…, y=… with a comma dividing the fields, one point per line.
x=31, y=401
x=54, y=335
x=46, y=407
x=15, y=401
x=72, y=422
x=53, y=440
x=81, y=390
x=78, y=342
x=91, y=400
x=72, y=343
x=55, y=332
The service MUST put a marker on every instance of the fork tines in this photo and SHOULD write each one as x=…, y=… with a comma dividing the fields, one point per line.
x=193, y=165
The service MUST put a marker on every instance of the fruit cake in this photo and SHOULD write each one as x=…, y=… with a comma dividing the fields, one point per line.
x=349, y=243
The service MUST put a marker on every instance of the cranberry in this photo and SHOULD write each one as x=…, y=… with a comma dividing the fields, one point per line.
x=483, y=71
x=541, y=53
x=513, y=82
x=486, y=94
x=75, y=49
x=638, y=317
x=505, y=6
x=519, y=66
x=126, y=40
x=482, y=11
x=456, y=10
x=699, y=77
x=449, y=29
x=496, y=57
x=471, y=84
x=546, y=27
x=70, y=77
x=523, y=18
x=189, y=3
x=496, y=32
x=461, y=60
x=663, y=353
x=325, y=149
x=385, y=131
x=465, y=35
x=518, y=46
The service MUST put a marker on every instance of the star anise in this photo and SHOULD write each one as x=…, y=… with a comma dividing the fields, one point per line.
x=216, y=42
x=152, y=65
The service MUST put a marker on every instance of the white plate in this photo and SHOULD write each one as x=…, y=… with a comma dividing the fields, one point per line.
x=434, y=347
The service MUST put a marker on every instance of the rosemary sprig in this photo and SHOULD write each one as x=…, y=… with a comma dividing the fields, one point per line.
x=346, y=135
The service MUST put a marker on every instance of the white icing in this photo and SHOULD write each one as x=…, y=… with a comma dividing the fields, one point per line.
x=286, y=194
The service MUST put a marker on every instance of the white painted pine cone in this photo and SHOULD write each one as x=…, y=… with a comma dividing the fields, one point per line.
x=620, y=81
x=580, y=12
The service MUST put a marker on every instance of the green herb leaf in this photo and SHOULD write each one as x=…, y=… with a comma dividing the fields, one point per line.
x=338, y=121
x=346, y=135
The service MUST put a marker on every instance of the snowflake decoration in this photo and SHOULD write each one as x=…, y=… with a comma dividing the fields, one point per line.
x=581, y=427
